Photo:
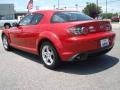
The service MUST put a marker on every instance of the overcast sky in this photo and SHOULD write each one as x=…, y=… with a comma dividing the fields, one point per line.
x=20, y=5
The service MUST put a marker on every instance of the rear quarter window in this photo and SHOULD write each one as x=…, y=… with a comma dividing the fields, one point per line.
x=36, y=19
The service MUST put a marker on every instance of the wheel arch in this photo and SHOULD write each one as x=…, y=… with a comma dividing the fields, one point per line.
x=2, y=34
x=53, y=39
x=41, y=41
x=7, y=24
x=7, y=35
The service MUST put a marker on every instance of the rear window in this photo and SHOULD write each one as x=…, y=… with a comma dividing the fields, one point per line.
x=69, y=17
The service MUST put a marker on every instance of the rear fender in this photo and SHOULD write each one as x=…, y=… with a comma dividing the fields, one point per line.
x=53, y=38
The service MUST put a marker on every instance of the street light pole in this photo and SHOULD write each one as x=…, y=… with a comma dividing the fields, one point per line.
x=65, y=7
x=76, y=5
x=54, y=7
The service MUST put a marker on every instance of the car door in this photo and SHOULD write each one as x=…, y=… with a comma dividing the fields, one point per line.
x=17, y=33
x=30, y=32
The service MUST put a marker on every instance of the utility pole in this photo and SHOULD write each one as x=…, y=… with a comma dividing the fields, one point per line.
x=58, y=4
x=106, y=6
x=97, y=7
x=97, y=4
x=119, y=17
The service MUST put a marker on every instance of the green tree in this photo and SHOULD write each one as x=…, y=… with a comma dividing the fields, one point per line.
x=108, y=15
x=92, y=10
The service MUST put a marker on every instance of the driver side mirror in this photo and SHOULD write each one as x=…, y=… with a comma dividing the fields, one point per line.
x=16, y=24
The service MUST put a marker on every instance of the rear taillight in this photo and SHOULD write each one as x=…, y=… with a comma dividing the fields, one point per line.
x=108, y=27
x=78, y=30
x=81, y=30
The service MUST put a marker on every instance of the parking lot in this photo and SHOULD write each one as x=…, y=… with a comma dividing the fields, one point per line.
x=23, y=71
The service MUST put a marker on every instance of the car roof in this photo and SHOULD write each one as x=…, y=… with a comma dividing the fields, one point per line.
x=48, y=14
x=52, y=11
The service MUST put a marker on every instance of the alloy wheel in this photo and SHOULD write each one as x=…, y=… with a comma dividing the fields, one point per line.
x=48, y=55
x=5, y=42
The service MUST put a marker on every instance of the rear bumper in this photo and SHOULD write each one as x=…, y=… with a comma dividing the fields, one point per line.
x=86, y=44
x=85, y=55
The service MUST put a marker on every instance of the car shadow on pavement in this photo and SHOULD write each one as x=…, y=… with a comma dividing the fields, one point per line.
x=90, y=66
x=26, y=55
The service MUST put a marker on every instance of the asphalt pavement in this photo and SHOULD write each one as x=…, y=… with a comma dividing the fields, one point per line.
x=24, y=71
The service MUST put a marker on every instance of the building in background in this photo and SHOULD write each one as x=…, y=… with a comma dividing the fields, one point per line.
x=8, y=15
x=20, y=14
x=7, y=12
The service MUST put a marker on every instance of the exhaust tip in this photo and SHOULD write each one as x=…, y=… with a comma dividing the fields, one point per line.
x=79, y=57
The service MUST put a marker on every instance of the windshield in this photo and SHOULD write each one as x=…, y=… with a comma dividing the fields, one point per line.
x=69, y=17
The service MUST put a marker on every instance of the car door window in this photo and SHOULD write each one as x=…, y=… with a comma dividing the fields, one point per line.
x=26, y=20
x=36, y=19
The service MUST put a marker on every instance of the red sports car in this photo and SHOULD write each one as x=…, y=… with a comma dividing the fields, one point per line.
x=60, y=36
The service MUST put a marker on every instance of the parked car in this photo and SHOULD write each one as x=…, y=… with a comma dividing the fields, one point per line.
x=58, y=36
x=7, y=21
x=115, y=19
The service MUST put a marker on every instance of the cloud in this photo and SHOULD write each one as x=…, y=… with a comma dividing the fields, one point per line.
x=43, y=8
x=46, y=8
x=36, y=0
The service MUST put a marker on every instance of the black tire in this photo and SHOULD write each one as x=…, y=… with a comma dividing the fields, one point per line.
x=54, y=55
x=5, y=40
x=7, y=25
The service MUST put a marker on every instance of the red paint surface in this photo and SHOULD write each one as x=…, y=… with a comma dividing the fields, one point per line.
x=27, y=38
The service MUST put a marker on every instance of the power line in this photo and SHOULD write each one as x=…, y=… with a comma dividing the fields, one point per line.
x=112, y=1
x=107, y=2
